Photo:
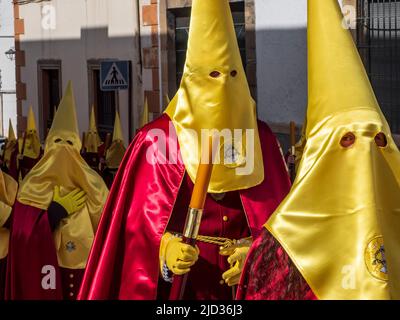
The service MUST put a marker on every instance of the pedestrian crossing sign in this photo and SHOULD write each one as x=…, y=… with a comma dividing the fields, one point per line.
x=114, y=75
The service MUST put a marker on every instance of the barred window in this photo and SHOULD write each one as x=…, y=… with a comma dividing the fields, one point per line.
x=378, y=40
x=104, y=102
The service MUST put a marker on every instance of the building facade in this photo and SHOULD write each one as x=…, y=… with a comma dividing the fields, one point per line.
x=60, y=40
x=272, y=36
x=8, y=109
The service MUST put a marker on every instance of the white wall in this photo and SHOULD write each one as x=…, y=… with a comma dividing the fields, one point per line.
x=7, y=66
x=82, y=30
x=281, y=41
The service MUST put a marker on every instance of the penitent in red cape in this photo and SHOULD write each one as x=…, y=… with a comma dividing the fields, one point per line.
x=124, y=261
x=31, y=250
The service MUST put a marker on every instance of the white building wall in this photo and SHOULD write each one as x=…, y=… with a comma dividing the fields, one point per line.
x=281, y=42
x=74, y=32
x=7, y=67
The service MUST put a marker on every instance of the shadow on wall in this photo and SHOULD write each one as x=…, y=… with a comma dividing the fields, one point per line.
x=77, y=58
x=282, y=79
x=281, y=72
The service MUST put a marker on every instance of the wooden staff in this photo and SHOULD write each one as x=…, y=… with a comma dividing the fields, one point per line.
x=292, y=156
x=195, y=212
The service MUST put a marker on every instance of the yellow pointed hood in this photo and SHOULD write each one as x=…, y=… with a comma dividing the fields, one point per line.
x=117, y=149
x=214, y=95
x=31, y=122
x=144, y=119
x=339, y=223
x=65, y=123
x=8, y=191
x=340, y=86
x=62, y=165
x=117, y=134
x=92, y=121
x=11, y=144
x=32, y=145
x=11, y=133
x=92, y=138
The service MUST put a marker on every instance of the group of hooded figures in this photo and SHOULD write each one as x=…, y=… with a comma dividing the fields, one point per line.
x=332, y=234
x=51, y=203
x=19, y=156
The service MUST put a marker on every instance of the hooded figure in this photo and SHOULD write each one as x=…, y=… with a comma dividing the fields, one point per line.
x=11, y=153
x=92, y=138
x=144, y=117
x=336, y=235
x=115, y=153
x=55, y=216
x=93, y=147
x=8, y=192
x=30, y=149
x=139, y=234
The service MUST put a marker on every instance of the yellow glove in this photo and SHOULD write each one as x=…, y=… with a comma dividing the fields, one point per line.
x=178, y=257
x=72, y=202
x=237, y=256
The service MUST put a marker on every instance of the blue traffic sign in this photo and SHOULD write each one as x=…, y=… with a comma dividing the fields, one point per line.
x=114, y=75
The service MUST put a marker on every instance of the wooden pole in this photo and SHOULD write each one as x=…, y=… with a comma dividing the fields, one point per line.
x=193, y=218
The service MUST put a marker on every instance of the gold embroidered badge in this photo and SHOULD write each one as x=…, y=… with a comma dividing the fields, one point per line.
x=232, y=157
x=375, y=259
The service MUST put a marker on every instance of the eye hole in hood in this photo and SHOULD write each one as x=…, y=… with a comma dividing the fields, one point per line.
x=215, y=74
x=381, y=140
x=348, y=140
x=60, y=140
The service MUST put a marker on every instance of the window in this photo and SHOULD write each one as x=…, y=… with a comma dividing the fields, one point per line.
x=104, y=101
x=178, y=33
x=378, y=40
x=49, y=73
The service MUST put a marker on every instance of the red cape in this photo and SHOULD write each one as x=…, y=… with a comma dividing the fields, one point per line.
x=269, y=274
x=124, y=261
x=31, y=248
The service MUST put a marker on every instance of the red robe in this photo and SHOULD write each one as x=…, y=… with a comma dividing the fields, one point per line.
x=210, y=262
x=124, y=261
x=32, y=248
x=269, y=274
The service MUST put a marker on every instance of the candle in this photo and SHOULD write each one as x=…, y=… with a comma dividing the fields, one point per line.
x=203, y=177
